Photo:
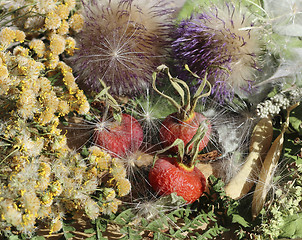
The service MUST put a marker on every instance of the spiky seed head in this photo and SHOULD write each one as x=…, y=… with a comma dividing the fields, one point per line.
x=221, y=41
x=122, y=42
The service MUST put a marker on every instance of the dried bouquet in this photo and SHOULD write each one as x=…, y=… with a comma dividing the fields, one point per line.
x=136, y=119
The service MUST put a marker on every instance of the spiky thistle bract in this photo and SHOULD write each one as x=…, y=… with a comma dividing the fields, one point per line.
x=122, y=42
x=219, y=40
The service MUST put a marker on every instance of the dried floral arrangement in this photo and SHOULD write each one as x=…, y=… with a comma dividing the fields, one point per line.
x=134, y=119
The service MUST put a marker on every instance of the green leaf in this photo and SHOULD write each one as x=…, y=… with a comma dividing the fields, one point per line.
x=13, y=237
x=292, y=228
x=68, y=228
x=274, y=92
x=155, y=225
x=84, y=151
x=190, y=7
x=124, y=217
x=160, y=236
x=88, y=117
x=144, y=222
x=172, y=200
x=38, y=238
x=101, y=225
x=68, y=235
x=295, y=119
x=217, y=184
x=179, y=234
x=130, y=233
x=236, y=218
x=90, y=230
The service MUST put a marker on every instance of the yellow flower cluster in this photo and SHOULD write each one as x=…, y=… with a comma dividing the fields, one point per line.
x=9, y=36
x=42, y=179
x=24, y=77
x=47, y=186
x=101, y=160
x=57, y=16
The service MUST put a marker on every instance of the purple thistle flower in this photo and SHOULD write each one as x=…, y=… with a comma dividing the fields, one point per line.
x=122, y=43
x=222, y=43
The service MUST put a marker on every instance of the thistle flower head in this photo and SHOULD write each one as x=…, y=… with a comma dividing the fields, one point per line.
x=222, y=43
x=121, y=43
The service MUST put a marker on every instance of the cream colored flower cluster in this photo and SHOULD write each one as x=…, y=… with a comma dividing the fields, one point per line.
x=48, y=185
x=57, y=16
x=41, y=178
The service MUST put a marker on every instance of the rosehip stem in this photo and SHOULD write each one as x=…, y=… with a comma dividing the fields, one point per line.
x=188, y=105
x=195, y=142
x=185, y=155
x=111, y=102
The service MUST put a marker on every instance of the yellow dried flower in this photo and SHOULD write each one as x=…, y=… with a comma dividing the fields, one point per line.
x=70, y=83
x=38, y=46
x=45, y=6
x=76, y=22
x=52, y=60
x=62, y=10
x=118, y=170
x=44, y=169
x=6, y=57
x=35, y=69
x=109, y=194
x=70, y=45
x=32, y=84
x=56, y=225
x=49, y=101
x=90, y=186
x=27, y=104
x=64, y=28
x=45, y=84
x=123, y=187
x=84, y=107
x=7, y=36
x=63, y=108
x=34, y=22
x=44, y=211
x=21, y=51
x=29, y=67
x=46, y=117
x=64, y=67
x=32, y=148
x=28, y=223
x=3, y=72
x=100, y=158
x=56, y=188
x=83, y=102
x=92, y=209
x=70, y=4
x=47, y=199
x=52, y=21
x=59, y=143
x=44, y=176
x=4, y=79
x=4, y=86
x=57, y=44
x=54, y=127
x=10, y=212
x=31, y=202
x=20, y=36
x=110, y=207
